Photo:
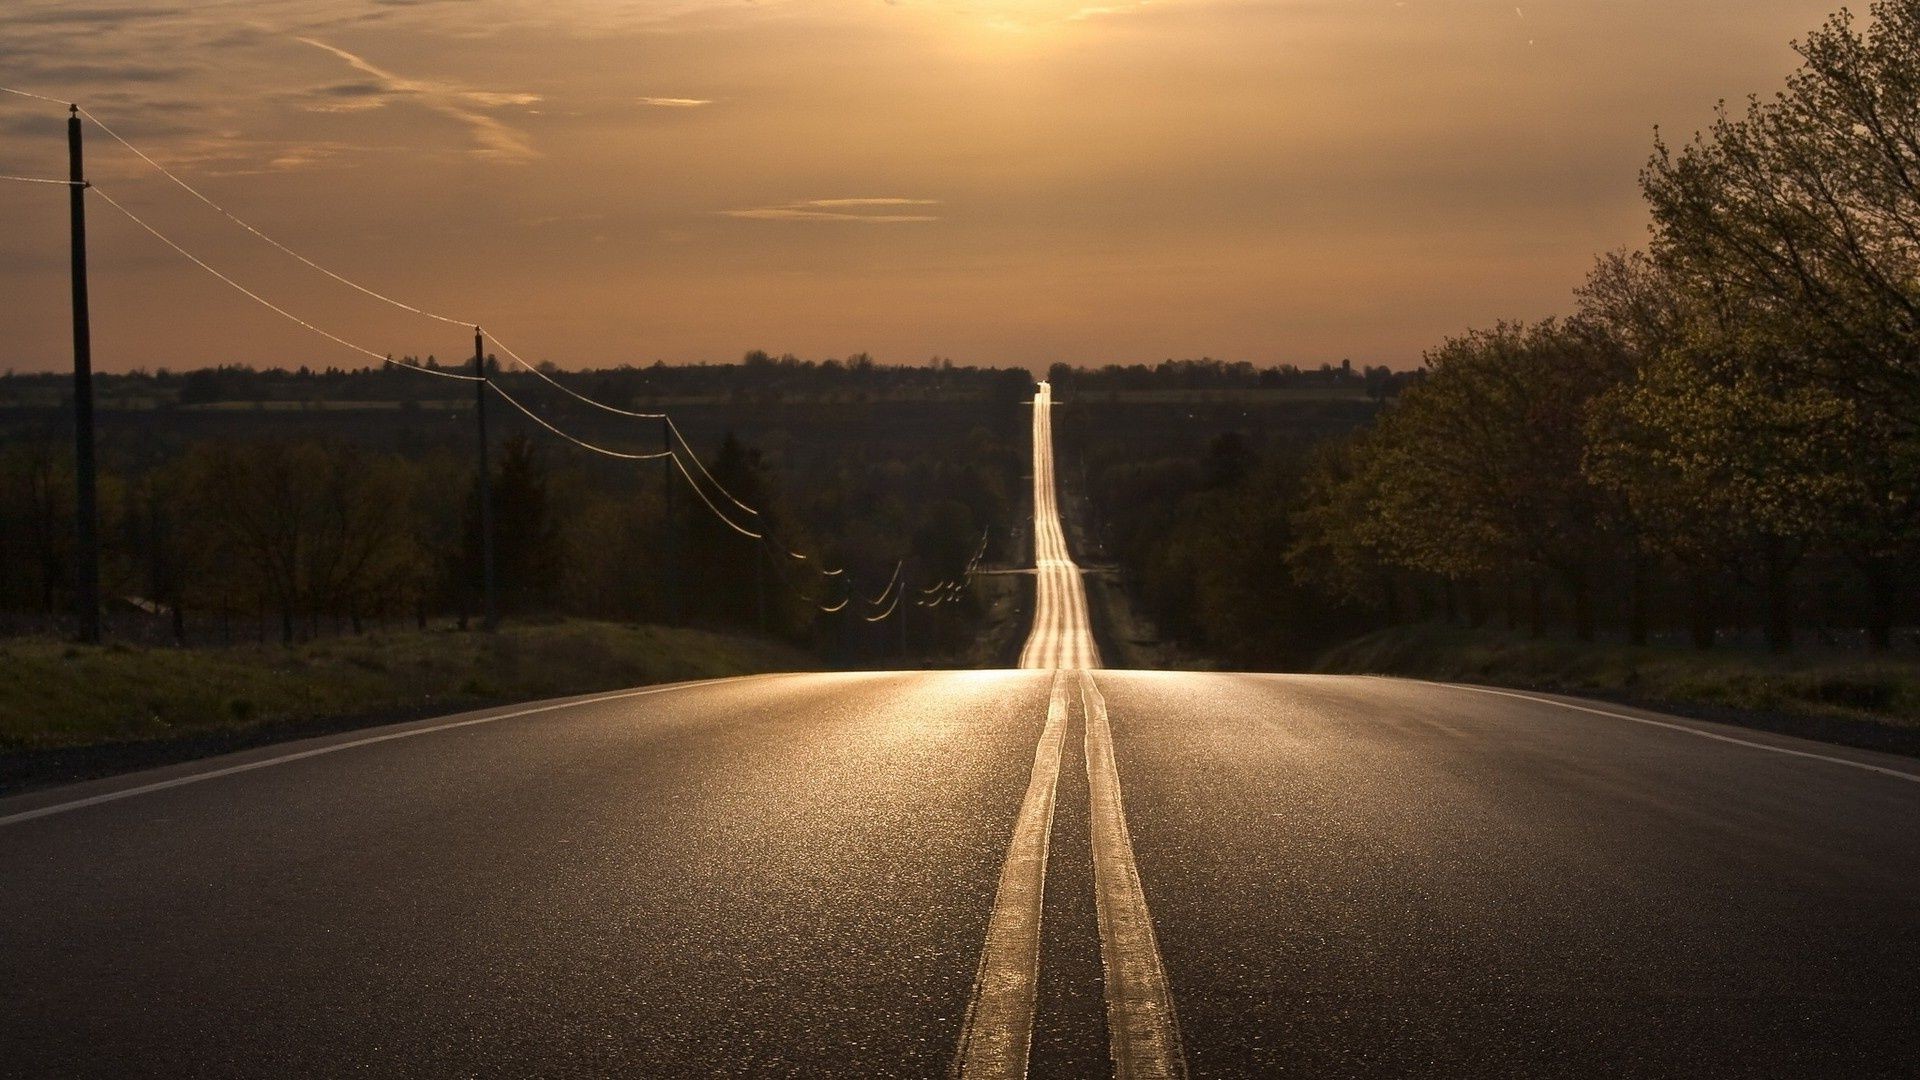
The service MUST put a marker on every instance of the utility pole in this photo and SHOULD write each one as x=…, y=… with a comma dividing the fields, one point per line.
x=671, y=529
x=87, y=545
x=490, y=606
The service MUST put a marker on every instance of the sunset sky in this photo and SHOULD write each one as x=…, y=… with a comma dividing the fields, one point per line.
x=999, y=182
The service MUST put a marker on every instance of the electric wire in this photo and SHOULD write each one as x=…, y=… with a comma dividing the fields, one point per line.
x=404, y=306
x=37, y=97
x=386, y=359
x=231, y=216
x=883, y=615
x=891, y=582
x=44, y=180
x=718, y=486
x=574, y=439
x=563, y=387
x=676, y=434
x=729, y=522
x=268, y=304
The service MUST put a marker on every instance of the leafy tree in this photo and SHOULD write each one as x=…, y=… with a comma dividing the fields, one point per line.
x=1477, y=472
x=1718, y=462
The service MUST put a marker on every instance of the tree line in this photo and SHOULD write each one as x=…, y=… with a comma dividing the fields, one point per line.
x=1377, y=381
x=759, y=376
x=1722, y=436
x=254, y=528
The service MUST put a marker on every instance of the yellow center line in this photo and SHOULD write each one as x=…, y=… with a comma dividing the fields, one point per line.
x=1141, y=1025
x=998, y=1033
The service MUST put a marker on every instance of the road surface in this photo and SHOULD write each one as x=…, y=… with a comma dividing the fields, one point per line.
x=1062, y=636
x=1062, y=871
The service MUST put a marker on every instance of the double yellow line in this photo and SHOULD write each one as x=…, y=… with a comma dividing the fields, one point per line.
x=1143, y=1031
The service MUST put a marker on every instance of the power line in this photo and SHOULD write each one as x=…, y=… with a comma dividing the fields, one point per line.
x=401, y=304
x=891, y=582
x=564, y=388
x=44, y=180
x=730, y=523
x=673, y=428
x=718, y=486
x=230, y=216
x=29, y=94
x=341, y=278
x=883, y=615
x=268, y=304
x=575, y=440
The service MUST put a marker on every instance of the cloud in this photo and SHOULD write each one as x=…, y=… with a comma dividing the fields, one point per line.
x=1096, y=12
x=60, y=74
x=495, y=139
x=675, y=102
x=346, y=97
x=231, y=154
x=89, y=15
x=838, y=210
x=872, y=202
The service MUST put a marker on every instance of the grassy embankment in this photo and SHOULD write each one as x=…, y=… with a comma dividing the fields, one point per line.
x=56, y=697
x=1842, y=697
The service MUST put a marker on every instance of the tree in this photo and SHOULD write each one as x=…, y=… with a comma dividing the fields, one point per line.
x=1477, y=471
x=305, y=529
x=526, y=541
x=1798, y=223
x=730, y=575
x=1719, y=462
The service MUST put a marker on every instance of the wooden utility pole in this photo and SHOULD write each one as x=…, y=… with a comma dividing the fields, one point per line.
x=671, y=532
x=490, y=606
x=86, y=543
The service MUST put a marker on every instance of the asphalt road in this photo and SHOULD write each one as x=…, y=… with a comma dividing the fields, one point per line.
x=1062, y=633
x=1057, y=871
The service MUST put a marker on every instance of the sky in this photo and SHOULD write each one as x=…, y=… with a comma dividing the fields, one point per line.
x=999, y=182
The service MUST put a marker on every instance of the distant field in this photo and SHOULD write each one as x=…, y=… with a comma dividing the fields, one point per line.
x=315, y=406
x=1247, y=395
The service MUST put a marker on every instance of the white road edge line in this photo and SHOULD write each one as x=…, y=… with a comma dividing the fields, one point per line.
x=998, y=1032
x=1141, y=1023
x=214, y=774
x=1714, y=735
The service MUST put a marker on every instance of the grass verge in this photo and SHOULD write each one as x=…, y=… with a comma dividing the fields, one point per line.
x=1871, y=702
x=69, y=711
